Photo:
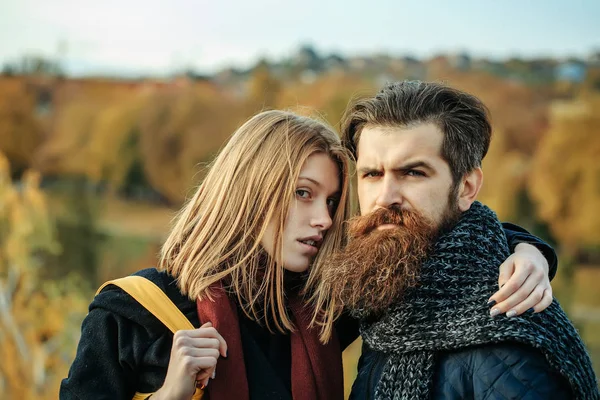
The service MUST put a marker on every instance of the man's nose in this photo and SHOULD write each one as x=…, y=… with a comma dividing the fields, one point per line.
x=389, y=193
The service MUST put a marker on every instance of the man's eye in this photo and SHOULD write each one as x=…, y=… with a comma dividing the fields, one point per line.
x=415, y=172
x=304, y=194
x=371, y=174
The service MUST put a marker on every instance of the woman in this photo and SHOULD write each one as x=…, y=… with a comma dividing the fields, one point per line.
x=235, y=263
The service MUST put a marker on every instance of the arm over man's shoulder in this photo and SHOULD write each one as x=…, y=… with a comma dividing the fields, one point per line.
x=515, y=235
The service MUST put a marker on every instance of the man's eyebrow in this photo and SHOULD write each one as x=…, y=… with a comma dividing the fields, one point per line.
x=364, y=170
x=403, y=167
x=415, y=164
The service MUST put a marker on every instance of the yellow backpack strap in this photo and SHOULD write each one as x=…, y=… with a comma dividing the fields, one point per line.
x=153, y=299
x=143, y=396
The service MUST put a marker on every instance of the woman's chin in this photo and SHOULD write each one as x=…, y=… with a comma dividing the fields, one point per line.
x=297, y=267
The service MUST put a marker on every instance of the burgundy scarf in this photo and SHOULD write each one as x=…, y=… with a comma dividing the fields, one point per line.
x=316, y=368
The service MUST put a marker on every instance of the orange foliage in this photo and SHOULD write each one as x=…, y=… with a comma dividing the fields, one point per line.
x=20, y=130
x=167, y=131
x=565, y=182
x=328, y=95
x=90, y=126
x=518, y=115
x=264, y=89
x=34, y=313
x=180, y=132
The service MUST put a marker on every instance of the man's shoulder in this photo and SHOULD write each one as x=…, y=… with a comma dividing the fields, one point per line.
x=509, y=368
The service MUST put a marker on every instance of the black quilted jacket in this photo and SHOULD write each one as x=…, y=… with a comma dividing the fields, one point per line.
x=494, y=372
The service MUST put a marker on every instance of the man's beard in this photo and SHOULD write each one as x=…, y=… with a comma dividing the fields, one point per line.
x=378, y=266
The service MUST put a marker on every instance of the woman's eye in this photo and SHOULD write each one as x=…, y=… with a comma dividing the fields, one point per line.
x=304, y=194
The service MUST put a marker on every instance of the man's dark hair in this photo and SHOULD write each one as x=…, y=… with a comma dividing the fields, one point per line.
x=463, y=119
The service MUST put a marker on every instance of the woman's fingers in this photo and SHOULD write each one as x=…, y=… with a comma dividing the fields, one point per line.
x=519, y=301
x=208, y=331
x=545, y=302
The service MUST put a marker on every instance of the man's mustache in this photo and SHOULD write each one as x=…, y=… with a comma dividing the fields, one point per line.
x=377, y=267
x=393, y=215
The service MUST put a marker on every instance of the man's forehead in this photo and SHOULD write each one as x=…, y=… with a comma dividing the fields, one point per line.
x=381, y=143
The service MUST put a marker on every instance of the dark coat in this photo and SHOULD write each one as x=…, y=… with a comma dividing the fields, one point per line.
x=125, y=349
x=500, y=371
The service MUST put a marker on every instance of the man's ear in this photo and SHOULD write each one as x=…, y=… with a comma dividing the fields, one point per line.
x=469, y=189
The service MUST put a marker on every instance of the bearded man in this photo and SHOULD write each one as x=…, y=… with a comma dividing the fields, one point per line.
x=422, y=262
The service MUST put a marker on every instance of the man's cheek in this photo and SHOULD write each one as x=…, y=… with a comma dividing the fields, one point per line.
x=366, y=204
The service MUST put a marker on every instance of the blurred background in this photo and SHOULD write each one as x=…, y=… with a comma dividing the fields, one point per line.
x=109, y=111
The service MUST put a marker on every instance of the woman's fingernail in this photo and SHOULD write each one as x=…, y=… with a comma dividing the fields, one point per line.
x=494, y=312
x=226, y=353
x=491, y=303
x=214, y=375
x=511, y=313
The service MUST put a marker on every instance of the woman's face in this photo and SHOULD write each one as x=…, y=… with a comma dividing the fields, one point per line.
x=310, y=214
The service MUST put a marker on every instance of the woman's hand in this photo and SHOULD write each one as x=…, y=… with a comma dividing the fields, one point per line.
x=194, y=356
x=524, y=283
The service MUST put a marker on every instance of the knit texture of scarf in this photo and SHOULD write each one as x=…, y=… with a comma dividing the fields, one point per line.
x=448, y=310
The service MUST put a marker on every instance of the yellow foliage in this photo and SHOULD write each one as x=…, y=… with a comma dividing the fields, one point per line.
x=89, y=139
x=180, y=131
x=264, y=88
x=20, y=131
x=565, y=181
x=67, y=152
x=505, y=175
x=328, y=94
x=350, y=358
x=34, y=313
x=518, y=111
x=109, y=156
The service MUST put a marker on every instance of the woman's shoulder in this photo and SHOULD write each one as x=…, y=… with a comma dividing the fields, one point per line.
x=112, y=295
x=114, y=300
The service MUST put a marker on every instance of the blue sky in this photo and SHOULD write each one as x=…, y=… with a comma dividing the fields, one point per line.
x=150, y=36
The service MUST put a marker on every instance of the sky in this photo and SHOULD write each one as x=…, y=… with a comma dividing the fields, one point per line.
x=159, y=37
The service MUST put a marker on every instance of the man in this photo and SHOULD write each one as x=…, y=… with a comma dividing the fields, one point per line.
x=422, y=262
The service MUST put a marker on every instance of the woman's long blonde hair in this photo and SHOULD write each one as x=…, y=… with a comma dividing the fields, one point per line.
x=217, y=234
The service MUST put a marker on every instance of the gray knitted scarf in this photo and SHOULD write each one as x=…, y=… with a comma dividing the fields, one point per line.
x=448, y=310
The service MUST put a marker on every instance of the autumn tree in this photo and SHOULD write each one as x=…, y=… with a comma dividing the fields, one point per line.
x=181, y=131
x=328, y=95
x=565, y=179
x=566, y=174
x=92, y=137
x=39, y=318
x=505, y=176
x=20, y=130
x=263, y=88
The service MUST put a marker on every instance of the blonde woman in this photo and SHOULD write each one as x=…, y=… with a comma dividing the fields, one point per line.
x=241, y=253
